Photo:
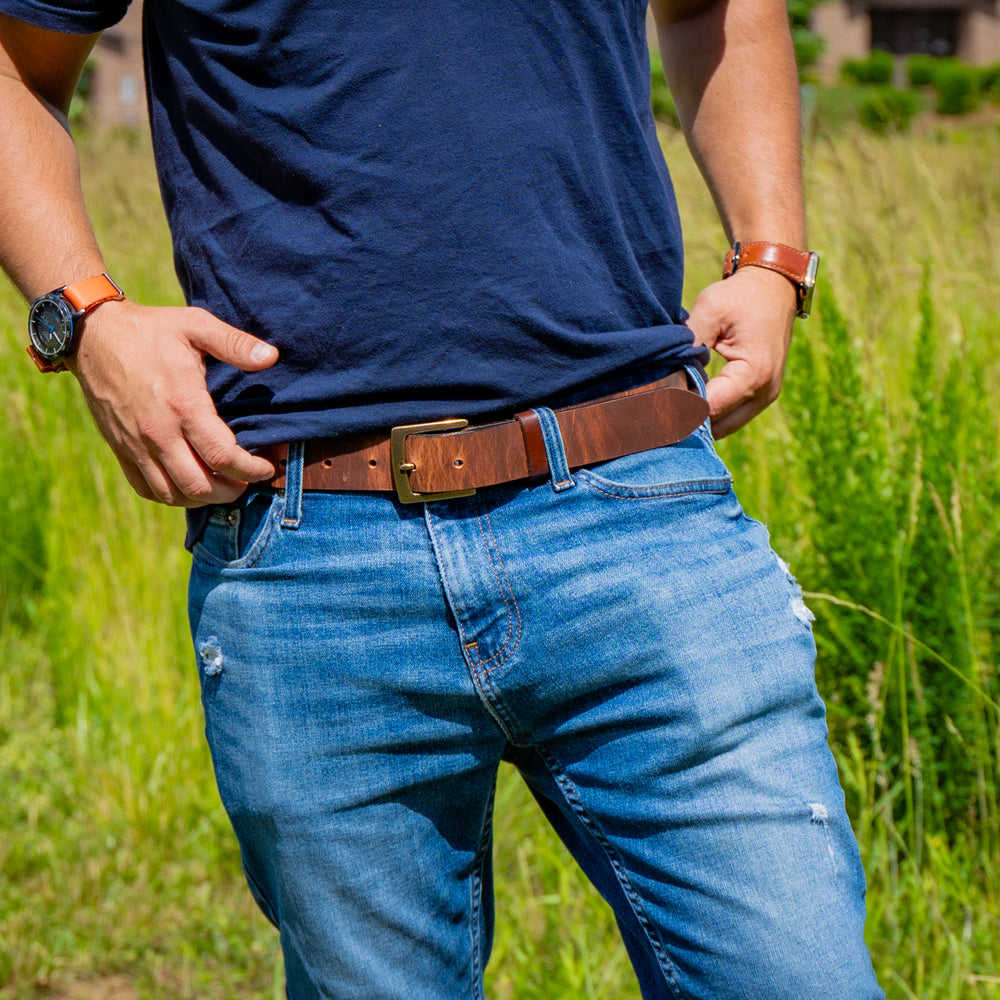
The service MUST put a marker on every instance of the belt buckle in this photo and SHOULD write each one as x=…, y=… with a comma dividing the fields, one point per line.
x=401, y=469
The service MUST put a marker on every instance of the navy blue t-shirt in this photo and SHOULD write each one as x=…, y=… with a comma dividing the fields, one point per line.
x=443, y=208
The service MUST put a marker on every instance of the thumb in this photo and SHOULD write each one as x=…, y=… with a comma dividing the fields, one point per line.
x=705, y=320
x=236, y=347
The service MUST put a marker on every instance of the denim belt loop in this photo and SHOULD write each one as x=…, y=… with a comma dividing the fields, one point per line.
x=696, y=380
x=293, y=485
x=554, y=451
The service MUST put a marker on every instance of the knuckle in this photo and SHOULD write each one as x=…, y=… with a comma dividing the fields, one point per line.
x=196, y=488
x=164, y=495
x=143, y=490
x=147, y=431
x=216, y=456
x=235, y=341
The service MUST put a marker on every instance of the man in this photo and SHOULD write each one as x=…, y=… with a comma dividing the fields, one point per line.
x=385, y=217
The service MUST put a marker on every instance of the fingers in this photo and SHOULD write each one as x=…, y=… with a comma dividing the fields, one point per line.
x=199, y=463
x=214, y=443
x=235, y=347
x=746, y=320
x=179, y=478
x=738, y=394
x=157, y=414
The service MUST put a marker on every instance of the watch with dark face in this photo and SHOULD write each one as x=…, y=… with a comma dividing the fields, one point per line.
x=53, y=323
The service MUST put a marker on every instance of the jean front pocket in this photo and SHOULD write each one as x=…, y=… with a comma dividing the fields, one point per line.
x=238, y=534
x=689, y=467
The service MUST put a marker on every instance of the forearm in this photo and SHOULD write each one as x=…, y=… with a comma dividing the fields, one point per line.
x=46, y=239
x=141, y=368
x=731, y=68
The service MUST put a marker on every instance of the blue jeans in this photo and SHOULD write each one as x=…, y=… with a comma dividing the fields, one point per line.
x=623, y=634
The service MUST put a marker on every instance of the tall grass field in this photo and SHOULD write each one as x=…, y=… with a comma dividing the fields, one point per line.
x=878, y=473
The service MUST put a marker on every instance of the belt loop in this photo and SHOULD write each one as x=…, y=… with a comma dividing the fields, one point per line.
x=293, y=485
x=554, y=450
x=695, y=380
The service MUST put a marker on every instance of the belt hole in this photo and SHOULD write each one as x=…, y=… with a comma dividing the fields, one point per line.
x=459, y=463
x=284, y=463
x=372, y=462
x=327, y=463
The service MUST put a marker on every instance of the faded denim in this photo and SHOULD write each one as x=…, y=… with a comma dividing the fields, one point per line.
x=623, y=634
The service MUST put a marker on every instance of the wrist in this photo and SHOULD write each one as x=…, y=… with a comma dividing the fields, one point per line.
x=55, y=320
x=797, y=267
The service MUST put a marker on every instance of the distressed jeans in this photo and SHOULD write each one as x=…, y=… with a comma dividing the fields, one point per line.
x=623, y=634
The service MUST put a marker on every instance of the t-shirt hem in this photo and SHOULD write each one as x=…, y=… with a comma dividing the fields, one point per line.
x=69, y=21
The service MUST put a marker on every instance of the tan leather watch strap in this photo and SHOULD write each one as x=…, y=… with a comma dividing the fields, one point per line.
x=84, y=295
x=798, y=266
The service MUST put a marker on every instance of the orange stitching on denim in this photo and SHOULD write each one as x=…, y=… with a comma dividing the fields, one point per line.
x=509, y=644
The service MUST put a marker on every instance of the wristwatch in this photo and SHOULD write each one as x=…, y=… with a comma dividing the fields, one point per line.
x=798, y=266
x=54, y=319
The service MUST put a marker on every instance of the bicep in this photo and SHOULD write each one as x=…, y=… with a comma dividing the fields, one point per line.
x=48, y=63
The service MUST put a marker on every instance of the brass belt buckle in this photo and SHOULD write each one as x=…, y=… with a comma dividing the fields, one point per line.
x=401, y=469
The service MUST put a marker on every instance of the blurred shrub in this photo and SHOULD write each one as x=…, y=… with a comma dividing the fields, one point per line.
x=957, y=86
x=886, y=109
x=989, y=82
x=662, y=100
x=877, y=68
x=809, y=46
x=79, y=107
x=921, y=69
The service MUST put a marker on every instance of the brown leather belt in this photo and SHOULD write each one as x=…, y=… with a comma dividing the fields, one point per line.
x=447, y=458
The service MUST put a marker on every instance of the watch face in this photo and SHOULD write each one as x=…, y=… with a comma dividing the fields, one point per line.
x=50, y=326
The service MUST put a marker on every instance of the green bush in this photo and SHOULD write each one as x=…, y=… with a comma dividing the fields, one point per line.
x=660, y=97
x=877, y=68
x=921, y=70
x=989, y=82
x=957, y=87
x=888, y=110
x=809, y=46
x=79, y=108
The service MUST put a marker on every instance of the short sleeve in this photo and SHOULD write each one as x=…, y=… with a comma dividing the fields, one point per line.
x=84, y=17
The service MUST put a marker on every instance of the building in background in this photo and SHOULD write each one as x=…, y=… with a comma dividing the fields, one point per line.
x=968, y=29
x=117, y=94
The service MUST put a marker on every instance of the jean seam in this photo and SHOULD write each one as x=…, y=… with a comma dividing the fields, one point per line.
x=267, y=908
x=476, y=891
x=707, y=487
x=488, y=694
x=575, y=801
x=509, y=645
x=495, y=703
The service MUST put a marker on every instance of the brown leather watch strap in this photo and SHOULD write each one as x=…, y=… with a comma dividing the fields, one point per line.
x=650, y=416
x=798, y=266
x=786, y=260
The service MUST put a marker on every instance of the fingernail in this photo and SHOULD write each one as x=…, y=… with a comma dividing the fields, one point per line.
x=261, y=352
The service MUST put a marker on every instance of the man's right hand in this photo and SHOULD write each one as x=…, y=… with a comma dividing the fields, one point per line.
x=142, y=369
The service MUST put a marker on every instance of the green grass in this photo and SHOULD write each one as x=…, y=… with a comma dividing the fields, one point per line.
x=877, y=473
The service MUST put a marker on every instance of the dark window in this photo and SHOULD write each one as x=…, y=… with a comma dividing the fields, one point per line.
x=904, y=31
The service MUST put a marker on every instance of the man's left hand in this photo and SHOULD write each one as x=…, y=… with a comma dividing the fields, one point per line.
x=747, y=320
